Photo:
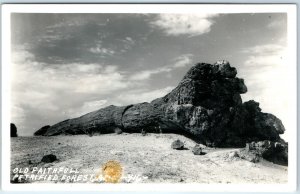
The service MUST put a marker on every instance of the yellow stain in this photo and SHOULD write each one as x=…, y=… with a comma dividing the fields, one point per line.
x=112, y=171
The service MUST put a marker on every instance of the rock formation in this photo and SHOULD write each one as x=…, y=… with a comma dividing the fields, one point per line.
x=42, y=130
x=206, y=106
x=272, y=151
x=13, y=130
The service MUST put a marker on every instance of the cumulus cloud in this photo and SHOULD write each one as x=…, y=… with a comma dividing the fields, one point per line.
x=267, y=76
x=266, y=66
x=59, y=90
x=180, y=24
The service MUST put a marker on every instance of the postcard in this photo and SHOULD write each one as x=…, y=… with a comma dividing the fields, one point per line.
x=149, y=97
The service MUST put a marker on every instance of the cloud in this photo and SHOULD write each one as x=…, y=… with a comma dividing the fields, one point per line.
x=141, y=95
x=184, y=24
x=146, y=74
x=267, y=75
x=88, y=107
x=125, y=45
x=100, y=50
x=18, y=114
x=50, y=38
x=179, y=62
x=265, y=64
x=46, y=94
x=66, y=23
x=267, y=49
x=54, y=92
x=183, y=60
x=129, y=40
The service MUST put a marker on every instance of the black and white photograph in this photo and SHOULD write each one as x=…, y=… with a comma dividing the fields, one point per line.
x=122, y=95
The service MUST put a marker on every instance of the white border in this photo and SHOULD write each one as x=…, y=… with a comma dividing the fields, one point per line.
x=146, y=8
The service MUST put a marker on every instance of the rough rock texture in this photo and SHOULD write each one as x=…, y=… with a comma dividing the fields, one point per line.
x=275, y=152
x=177, y=145
x=206, y=106
x=42, y=130
x=13, y=130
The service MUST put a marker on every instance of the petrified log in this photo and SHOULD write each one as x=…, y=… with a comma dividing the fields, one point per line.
x=206, y=105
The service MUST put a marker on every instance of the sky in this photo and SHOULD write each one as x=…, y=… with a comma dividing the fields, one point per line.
x=66, y=65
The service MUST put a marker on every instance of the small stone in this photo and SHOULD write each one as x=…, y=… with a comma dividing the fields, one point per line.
x=178, y=145
x=233, y=154
x=49, y=158
x=118, y=131
x=197, y=150
x=255, y=159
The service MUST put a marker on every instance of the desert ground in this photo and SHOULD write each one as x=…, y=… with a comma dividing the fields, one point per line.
x=146, y=159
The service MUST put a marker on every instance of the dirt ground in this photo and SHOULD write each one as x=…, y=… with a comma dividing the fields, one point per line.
x=144, y=159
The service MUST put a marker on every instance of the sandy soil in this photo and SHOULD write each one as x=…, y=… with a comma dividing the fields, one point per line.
x=147, y=159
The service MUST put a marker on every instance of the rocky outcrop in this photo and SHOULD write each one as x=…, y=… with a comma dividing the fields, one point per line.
x=206, y=105
x=276, y=152
x=13, y=130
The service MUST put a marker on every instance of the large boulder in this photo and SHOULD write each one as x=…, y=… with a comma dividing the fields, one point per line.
x=206, y=105
x=13, y=130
